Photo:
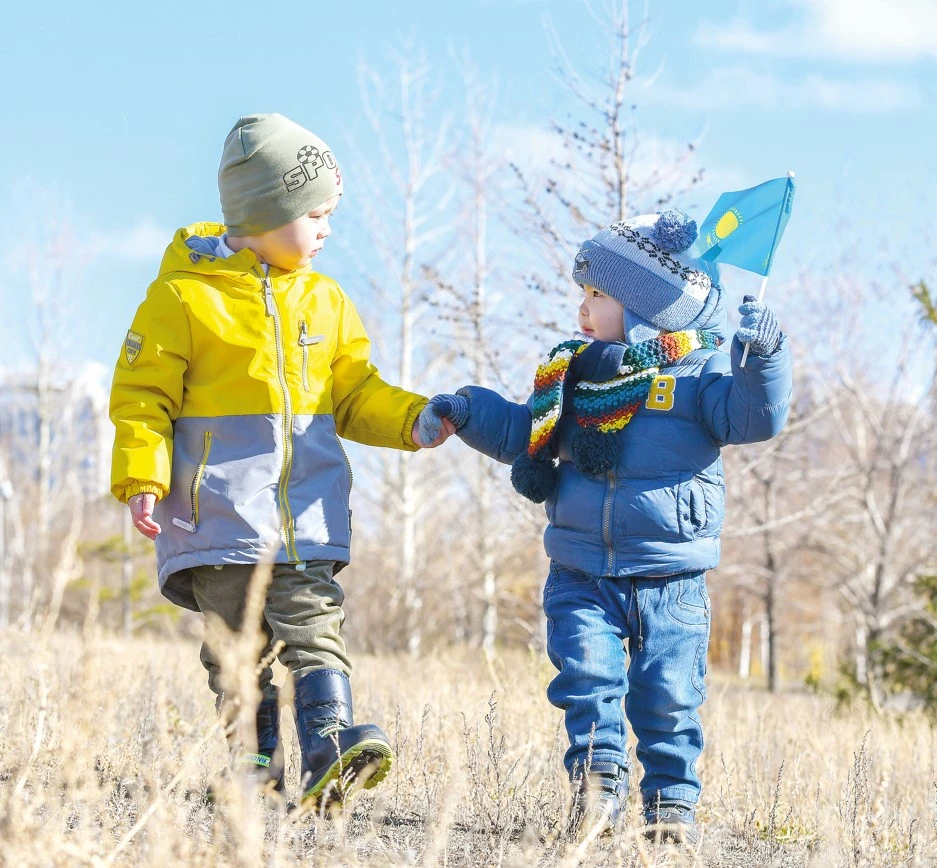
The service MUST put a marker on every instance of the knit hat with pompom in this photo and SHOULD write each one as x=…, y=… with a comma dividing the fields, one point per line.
x=646, y=264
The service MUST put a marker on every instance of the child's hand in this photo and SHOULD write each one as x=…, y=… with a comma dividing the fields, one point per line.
x=758, y=327
x=455, y=408
x=440, y=419
x=141, y=514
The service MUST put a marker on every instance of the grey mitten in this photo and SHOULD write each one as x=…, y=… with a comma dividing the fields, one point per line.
x=758, y=327
x=455, y=408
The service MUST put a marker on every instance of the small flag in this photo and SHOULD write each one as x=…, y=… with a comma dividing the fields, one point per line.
x=745, y=227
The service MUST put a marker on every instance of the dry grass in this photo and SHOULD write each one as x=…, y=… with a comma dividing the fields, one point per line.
x=107, y=747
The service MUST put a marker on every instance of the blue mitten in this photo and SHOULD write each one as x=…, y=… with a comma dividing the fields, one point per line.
x=758, y=327
x=455, y=408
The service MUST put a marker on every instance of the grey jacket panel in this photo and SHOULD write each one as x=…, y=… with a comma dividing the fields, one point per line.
x=224, y=503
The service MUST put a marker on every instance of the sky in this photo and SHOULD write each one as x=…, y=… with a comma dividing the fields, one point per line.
x=114, y=119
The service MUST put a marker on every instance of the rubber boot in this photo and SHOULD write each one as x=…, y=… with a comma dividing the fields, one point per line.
x=671, y=823
x=599, y=798
x=266, y=766
x=338, y=757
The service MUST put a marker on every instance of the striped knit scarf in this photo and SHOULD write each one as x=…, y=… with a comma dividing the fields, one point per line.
x=601, y=409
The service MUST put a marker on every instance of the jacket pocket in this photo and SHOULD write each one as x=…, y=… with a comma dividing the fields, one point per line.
x=694, y=513
x=192, y=525
x=707, y=505
x=697, y=506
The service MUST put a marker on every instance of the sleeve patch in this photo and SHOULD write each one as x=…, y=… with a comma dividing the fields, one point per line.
x=133, y=343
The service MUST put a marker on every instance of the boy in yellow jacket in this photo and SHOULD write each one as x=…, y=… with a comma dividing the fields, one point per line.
x=241, y=368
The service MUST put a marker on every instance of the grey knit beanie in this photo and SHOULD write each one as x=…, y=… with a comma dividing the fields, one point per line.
x=645, y=264
x=272, y=172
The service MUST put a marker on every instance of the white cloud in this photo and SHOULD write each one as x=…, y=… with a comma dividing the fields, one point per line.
x=735, y=86
x=145, y=240
x=861, y=30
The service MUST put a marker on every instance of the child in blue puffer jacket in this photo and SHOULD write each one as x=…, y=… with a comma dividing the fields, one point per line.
x=621, y=439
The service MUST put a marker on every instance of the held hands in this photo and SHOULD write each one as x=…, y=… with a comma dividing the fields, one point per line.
x=440, y=419
x=141, y=514
x=758, y=327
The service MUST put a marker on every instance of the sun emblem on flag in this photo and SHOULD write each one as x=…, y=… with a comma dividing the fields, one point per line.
x=727, y=224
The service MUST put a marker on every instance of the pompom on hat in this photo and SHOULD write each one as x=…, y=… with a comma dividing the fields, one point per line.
x=645, y=263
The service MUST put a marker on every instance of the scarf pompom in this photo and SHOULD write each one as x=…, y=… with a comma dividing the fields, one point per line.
x=535, y=480
x=594, y=452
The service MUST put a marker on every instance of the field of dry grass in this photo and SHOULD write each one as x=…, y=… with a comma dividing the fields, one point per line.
x=107, y=747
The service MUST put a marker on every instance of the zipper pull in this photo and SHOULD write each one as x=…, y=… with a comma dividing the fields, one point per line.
x=268, y=297
x=185, y=525
x=307, y=340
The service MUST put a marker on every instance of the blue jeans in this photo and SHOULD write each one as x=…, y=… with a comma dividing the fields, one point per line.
x=666, y=622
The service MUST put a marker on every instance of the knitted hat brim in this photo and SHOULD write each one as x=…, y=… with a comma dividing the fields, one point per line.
x=640, y=290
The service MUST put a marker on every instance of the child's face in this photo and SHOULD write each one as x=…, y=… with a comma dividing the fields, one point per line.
x=600, y=316
x=296, y=244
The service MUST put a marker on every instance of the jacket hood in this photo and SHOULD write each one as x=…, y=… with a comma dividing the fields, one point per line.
x=713, y=318
x=194, y=250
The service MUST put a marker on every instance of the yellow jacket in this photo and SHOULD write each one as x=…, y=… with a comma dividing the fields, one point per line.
x=227, y=398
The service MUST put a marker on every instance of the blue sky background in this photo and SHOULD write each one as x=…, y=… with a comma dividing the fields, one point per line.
x=114, y=116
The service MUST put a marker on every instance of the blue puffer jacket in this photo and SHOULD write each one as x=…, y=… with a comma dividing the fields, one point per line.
x=660, y=511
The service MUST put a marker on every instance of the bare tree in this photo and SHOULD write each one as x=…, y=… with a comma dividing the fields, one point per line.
x=605, y=168
x=887, y=536
x=406, y=213
x=783, y=497
x=465, y=300
x=480, y=170
x=48, y=417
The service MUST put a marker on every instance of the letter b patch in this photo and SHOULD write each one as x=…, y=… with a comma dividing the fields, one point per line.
x=661, y=394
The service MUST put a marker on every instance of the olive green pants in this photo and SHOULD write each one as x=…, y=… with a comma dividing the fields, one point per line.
x=303, y=610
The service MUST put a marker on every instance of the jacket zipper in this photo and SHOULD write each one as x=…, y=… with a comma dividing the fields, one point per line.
x=607, y=522
x=192, y=524
x=282, y=489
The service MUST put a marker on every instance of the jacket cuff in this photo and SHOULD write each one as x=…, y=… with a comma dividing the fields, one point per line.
x=124, y=493
x=415, y=409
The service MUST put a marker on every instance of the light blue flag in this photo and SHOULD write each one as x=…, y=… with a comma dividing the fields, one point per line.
x=744, y=228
